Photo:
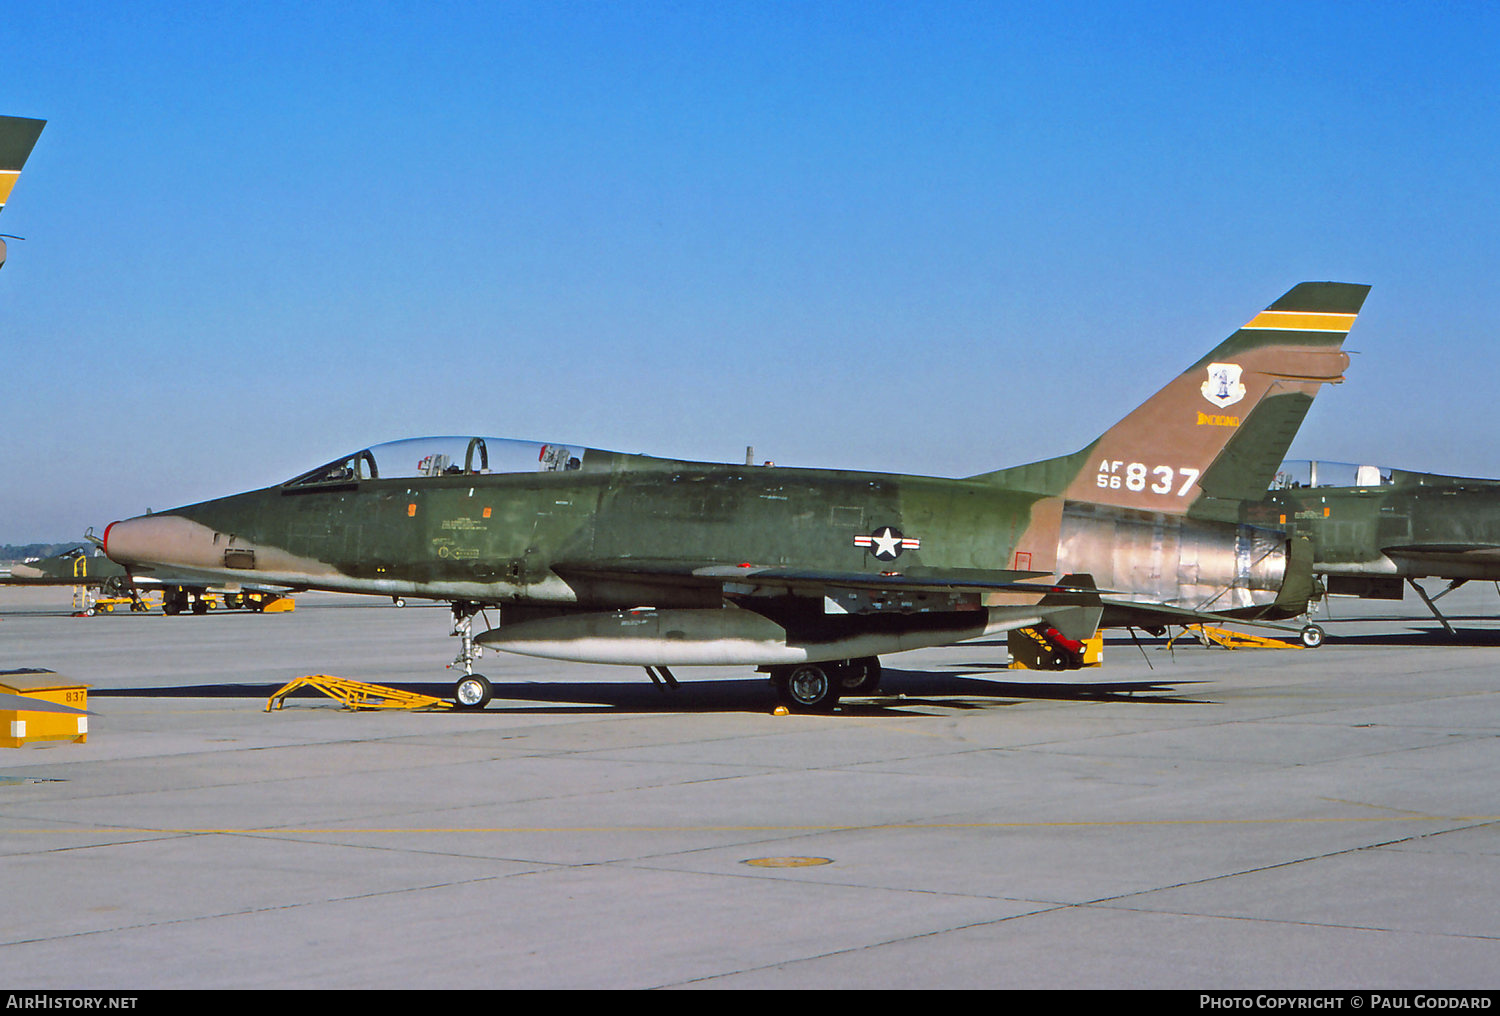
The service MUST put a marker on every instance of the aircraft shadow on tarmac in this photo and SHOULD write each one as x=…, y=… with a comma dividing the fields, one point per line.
x=903, y=692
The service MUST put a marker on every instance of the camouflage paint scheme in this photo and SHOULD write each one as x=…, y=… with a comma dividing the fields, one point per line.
x=71, y=567
x=88, y=567
x=1389, y=527
x=17, y=137
x=604, y=557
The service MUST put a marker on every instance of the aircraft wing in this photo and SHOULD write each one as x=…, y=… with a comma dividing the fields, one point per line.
x=749, y=579
x=798, y=596
x=864, y=592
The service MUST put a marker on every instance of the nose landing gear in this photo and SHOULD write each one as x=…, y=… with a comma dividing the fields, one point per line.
x=473, y=691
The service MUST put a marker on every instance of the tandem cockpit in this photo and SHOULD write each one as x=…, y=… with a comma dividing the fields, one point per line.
x=1309, y=474
x=443, y=456
x=1300, y=474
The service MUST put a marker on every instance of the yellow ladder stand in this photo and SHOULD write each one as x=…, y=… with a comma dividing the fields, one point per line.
x=358, y=695
x=1229, y=639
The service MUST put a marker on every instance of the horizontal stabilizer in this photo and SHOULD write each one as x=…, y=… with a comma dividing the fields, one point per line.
x=1444, y=553
x=1139, y=613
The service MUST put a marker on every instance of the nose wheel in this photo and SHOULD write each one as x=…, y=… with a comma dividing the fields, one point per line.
x=473, y=691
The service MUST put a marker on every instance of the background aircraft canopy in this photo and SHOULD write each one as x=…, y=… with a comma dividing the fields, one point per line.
x=445, y=456
x=1298, y=473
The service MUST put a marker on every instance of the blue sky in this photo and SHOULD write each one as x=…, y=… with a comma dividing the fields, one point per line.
x=920, y=237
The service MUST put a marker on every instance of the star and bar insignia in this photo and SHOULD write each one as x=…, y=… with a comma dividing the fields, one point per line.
x=887, y=543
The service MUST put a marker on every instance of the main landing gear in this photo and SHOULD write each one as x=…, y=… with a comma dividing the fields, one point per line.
x=817, y=687
x=177, y=599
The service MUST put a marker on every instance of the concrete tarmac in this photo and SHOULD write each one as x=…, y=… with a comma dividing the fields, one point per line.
x=1195, y=819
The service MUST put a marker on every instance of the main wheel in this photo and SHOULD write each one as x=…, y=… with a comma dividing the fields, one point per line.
x=1312, y=636
x=473, y=691
x=807, y=688
x=860, y=677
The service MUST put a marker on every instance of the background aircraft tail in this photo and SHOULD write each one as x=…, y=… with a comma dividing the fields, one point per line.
x=17, y=137
x=1221, y=427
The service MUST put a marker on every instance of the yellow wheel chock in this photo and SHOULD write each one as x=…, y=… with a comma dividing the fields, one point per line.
x=1210, y=636
x=358, y=695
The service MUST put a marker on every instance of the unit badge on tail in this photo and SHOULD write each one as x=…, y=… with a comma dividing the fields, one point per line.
x=1223, y=387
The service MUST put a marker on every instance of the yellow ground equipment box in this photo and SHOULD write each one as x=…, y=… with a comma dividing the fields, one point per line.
x=58, y=715
x=1034, y=650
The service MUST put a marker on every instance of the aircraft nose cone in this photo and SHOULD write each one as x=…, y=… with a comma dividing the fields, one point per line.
x=25, y=571
x=158, y=539
x=122, y=541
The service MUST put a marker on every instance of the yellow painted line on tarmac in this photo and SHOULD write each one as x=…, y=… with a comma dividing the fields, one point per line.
x=901, y=827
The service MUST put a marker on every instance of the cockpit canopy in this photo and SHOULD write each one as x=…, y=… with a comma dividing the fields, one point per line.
x=1296, y=474
x=444, y=456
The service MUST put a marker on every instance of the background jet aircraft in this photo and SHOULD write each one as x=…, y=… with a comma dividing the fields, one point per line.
x=601, y=557
x=90, y=568
x=1373, y=528
x=17, y=137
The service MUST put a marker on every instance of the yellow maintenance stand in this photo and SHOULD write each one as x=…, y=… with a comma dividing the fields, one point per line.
x=357, y=694
x=1210, y=636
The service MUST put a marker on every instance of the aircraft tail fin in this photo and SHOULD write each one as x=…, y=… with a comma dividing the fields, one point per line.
x=17, y=137
x=1222, y=426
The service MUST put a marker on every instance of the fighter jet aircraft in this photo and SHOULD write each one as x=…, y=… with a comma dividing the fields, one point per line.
x=75, y=566
x=810, y=574
x=1373, y=528
x=88, y=568
x=17, y=137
